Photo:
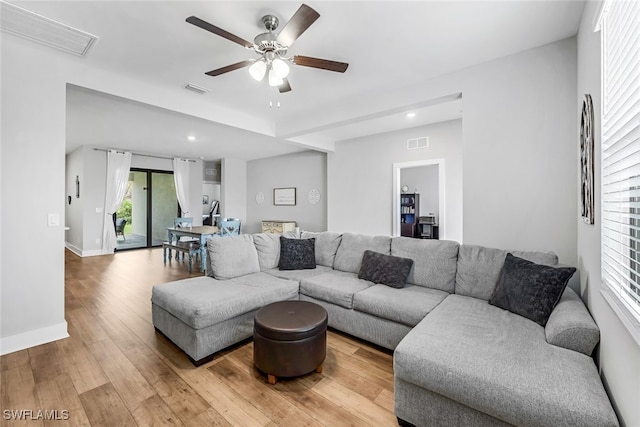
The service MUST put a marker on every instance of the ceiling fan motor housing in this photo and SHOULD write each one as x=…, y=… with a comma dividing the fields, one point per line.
x=267, y=42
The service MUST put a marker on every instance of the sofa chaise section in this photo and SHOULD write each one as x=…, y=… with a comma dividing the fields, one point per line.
x=470, y=363
x=204, y=315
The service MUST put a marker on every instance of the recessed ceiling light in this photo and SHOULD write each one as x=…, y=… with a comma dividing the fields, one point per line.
x=411, y=115
x=191, y=138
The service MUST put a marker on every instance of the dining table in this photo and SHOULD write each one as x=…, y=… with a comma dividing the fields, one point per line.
x=200, y=233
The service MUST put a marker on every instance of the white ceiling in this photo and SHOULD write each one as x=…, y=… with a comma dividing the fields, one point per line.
x=390, y=45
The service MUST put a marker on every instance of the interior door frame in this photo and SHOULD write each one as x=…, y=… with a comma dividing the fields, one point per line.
x=397, y=169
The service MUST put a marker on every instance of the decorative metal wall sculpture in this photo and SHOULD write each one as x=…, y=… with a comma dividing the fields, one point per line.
x=586, y=160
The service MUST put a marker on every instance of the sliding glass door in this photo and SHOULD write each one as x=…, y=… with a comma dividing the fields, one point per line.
x=149, y=207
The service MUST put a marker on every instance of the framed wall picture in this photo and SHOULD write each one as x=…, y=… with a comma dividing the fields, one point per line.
x=284, y=196
x=587, y=161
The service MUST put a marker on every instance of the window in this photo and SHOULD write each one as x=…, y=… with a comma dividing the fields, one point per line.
x=620, y=25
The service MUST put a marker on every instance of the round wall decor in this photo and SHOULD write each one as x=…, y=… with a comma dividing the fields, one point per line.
x=259, y=197
x=314, y=196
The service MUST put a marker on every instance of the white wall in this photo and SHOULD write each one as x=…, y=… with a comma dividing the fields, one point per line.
x=305, y=171
x=93, y=191
x=519, y=127
x=32, y=186
x=74, y=167
x=233, y=193
x=213, y=191
x=424, y=181
x=519, y=130
x=360, y=177
x=619, y=354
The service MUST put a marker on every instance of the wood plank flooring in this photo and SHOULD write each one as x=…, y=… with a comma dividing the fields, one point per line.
x=115, y=370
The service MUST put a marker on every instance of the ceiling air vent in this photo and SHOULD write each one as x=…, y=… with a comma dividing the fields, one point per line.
x=414, y=144
x=37, y=28
x=196, y=88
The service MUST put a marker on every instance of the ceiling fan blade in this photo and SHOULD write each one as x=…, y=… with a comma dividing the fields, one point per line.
x=228, y=68
x=325, y=64
x=218, y=31
x=285, y=86
x=298, y=24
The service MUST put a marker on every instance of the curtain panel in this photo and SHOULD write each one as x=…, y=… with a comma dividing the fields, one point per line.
x=181, y=170
x=118, y=165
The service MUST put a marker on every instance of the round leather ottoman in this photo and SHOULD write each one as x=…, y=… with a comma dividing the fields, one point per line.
x=289, y=339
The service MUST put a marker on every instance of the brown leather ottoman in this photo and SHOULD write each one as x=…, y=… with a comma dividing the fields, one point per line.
x=289, y=339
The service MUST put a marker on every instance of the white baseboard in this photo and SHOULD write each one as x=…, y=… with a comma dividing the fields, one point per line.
x=33, y=338
x=73, y=248
x=94, y=253
x=76, y=250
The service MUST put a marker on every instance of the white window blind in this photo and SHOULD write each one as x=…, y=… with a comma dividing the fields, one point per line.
x=620, y=28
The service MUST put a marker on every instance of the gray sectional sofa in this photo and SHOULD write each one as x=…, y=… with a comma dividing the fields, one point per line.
x=457, y=359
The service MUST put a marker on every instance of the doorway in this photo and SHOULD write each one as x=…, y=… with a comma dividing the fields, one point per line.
x=148, y=208
x=433, y=197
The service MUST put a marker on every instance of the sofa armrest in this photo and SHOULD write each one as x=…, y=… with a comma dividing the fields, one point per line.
x=571, y=326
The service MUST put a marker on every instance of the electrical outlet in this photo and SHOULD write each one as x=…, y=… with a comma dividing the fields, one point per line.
x=98, y=241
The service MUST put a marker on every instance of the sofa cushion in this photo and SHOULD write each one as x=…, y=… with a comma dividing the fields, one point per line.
x=327, y=244
x=435, y=261
x=299, y=274
x=203, y=301
x=268, y=248
x=336, y=287
x=408, y=305
x=571, y=326
x=529, y=289
x=385, y=269
x=352, y=247
x=232, y=256
x=297, y=254
x=499, y=363
x=479, y=268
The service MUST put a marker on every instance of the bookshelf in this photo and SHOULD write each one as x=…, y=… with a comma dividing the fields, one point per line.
x=409, y=214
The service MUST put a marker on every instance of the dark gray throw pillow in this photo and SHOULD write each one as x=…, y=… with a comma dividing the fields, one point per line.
x=297, y=254
x=529, y=289
x=385, y=269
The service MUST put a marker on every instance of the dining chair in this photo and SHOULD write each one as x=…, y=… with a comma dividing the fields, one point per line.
x=119, y=225
x=229, y=227
x=184, y=222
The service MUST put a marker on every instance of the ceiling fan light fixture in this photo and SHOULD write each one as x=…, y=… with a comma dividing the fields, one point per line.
x=258, y=70
x=274, y=80
x=280, y=68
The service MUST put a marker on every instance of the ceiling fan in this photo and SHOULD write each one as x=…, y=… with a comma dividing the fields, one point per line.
x=272, y=48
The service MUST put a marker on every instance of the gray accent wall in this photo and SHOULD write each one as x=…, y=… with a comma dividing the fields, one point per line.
x=360, y=176
x=305, y=171
x=519, y=130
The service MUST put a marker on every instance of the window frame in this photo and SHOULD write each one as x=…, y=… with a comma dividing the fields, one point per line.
x=626, y=307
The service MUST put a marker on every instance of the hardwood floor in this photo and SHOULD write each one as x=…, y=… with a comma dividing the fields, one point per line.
x=115, y=370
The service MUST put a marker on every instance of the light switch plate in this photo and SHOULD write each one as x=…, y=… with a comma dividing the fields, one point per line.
x=53, y=220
